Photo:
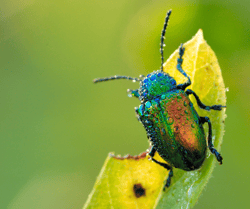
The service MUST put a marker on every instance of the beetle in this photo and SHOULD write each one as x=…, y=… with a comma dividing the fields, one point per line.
x=173, y=126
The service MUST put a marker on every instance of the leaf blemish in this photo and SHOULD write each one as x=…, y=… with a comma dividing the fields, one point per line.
x=139, y=190
x=127, y=157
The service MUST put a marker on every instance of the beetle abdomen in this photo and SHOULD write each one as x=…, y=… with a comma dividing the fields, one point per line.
x=176, y=130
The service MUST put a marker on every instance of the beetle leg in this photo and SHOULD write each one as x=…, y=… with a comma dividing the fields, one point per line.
x=170, y=174
x=210, y=143
x=133, y=93
x=201, y=105
x=152, y=151
x=179, y=67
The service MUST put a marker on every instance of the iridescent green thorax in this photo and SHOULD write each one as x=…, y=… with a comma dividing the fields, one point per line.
x=155, y=84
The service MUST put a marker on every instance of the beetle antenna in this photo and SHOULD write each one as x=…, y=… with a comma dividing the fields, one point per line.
x=116, y=77
x=163, y=37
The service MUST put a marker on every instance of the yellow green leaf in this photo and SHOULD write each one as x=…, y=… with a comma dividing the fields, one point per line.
x=136, y=182
x=127, y=182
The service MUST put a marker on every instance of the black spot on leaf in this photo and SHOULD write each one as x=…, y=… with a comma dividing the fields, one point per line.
x=139, y=190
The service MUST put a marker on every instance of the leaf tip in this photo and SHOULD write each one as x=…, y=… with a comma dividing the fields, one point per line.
x=198, y=36
x=200, y=31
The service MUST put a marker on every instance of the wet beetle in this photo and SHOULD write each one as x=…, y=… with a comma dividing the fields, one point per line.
x=172, y=124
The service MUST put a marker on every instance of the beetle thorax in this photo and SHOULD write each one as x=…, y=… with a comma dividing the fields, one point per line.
x=155, y=84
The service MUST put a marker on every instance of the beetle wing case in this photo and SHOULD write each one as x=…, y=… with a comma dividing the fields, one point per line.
x=175, y=130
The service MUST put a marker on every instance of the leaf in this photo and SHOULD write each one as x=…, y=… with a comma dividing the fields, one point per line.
x=136, y=182
x=129, y=182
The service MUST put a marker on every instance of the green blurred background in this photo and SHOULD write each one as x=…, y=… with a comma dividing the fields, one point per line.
x=57, y=127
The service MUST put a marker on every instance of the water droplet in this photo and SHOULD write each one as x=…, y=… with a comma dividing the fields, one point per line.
x=159, y=74
x=186, y=111
x=170, y=121
x=173, y=82
x=148, y=104
x=163, y=131
x=178, y=116
x=140, y=110
x=192, y=125
x=129, y=91
x=153, y=77
x=226, y=89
